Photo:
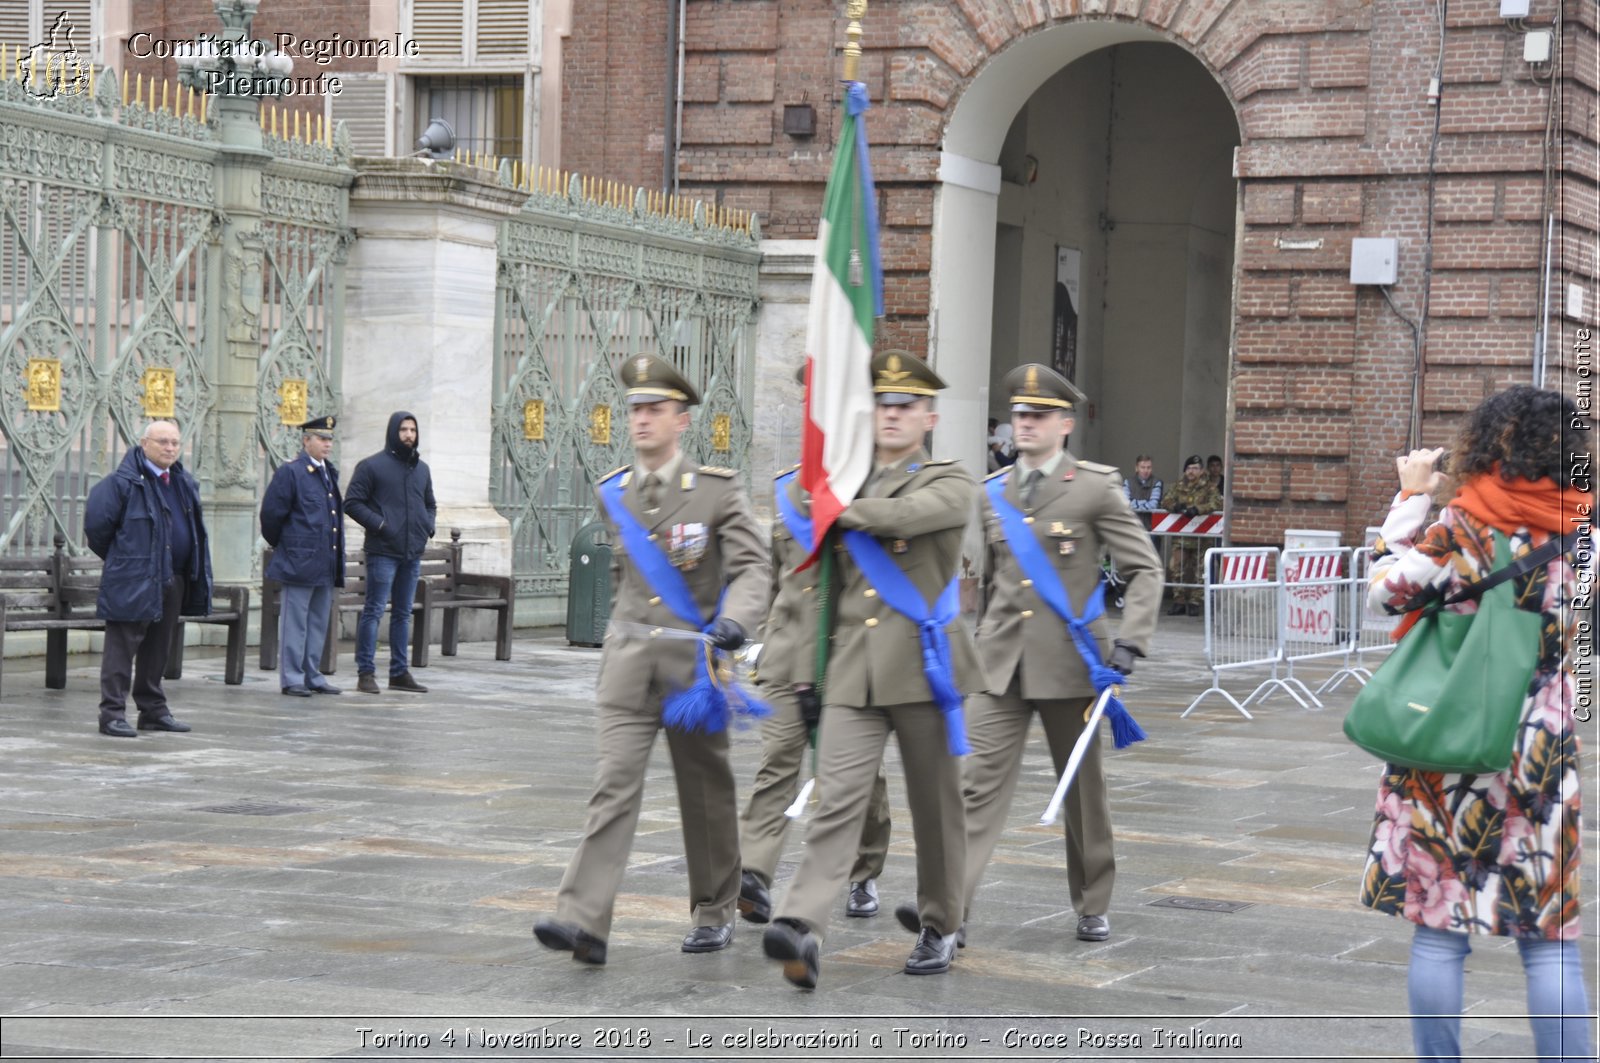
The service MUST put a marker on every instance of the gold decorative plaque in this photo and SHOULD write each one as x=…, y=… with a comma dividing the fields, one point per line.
x=600, y=425
x=44, y=385
x=533, y=419
x=292, y=402
x=160, y=391
x=722, y=433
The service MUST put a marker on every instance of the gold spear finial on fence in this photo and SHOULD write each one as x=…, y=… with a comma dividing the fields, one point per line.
x=855, y=11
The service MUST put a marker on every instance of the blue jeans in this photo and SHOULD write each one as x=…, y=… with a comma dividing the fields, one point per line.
x=1557, y=999
x=391, y=581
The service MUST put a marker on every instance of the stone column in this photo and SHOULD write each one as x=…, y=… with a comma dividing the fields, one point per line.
x=785, y=290
x=966, y=210
x=419, y=333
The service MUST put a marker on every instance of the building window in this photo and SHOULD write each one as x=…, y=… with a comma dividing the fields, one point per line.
x=486, y=112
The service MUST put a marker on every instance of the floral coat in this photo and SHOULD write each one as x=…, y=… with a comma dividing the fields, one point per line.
x=1481, y=854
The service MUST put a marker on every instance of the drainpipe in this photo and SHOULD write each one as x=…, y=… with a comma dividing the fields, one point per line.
x=674, y=115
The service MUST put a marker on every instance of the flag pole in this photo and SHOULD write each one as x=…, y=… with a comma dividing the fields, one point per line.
x=855, y=11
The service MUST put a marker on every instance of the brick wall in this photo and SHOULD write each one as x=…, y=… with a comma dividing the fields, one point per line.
x=1337, y=129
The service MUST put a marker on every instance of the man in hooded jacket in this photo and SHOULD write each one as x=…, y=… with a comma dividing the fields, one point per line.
x=391, y=497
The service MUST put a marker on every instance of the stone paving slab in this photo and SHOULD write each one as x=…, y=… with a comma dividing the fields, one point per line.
x=420, y=836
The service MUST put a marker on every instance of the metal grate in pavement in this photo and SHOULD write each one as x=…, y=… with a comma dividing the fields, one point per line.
x=1202, y=904
x=254, y=808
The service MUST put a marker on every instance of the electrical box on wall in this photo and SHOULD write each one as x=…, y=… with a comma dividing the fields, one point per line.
x=1536, y=46
x=1374, y=260
x=1513, y=8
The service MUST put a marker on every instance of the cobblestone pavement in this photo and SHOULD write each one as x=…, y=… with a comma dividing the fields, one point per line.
x=351, y=877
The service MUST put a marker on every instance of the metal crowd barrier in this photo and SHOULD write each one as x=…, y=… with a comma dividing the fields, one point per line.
x=1166, y=528
x=1241, y=617
x=1274, y=608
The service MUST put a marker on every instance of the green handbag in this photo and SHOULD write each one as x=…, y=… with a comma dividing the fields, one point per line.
x=1449, y=698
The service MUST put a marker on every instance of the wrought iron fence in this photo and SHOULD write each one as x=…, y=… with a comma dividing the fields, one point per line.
x=588, y=274
x=121, y=287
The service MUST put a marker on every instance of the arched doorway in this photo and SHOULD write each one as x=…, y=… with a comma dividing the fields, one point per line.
x=1100, y=155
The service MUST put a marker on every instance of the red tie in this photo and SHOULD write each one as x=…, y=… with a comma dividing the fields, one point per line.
x=165, y=477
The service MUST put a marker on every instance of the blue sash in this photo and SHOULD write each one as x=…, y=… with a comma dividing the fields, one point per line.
x=1035, y=563
x=799, y=524
x=901, y=595
x=705, y=705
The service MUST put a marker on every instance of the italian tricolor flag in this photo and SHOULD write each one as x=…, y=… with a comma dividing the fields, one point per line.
x=846, y=295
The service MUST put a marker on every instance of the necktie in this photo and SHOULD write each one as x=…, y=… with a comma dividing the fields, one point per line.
x=166, y=477
x=1029, y=482
x=650, y=493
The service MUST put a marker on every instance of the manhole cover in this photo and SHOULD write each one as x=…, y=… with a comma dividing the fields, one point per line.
x=254, y=808
x=1201, y=904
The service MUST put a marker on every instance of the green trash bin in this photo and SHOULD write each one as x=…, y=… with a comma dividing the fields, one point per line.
x=589, y=585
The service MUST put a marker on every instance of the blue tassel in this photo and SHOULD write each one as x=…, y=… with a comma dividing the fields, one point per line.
x=746, y=706
x=1125, y=730
x=703, y=707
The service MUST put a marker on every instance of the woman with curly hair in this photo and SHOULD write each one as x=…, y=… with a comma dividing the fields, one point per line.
x=1460, y=855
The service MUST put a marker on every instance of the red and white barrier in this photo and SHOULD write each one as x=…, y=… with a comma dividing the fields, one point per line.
x=1164, y=523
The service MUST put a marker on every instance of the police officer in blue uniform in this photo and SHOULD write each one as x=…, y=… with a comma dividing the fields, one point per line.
x=302, y=519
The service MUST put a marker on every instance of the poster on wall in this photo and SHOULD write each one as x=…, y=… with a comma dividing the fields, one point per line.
x=1064, y=336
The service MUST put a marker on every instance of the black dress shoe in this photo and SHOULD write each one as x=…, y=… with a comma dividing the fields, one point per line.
x=755, y=900
x=1093, y=928
x=863, y=900
x=118, y=729
x=788, y=941
x=564, y=937
x=297, y=691
x=163, y=723
x=911, y=919
x=708, y=938
x=327, y=688
x=933, y=953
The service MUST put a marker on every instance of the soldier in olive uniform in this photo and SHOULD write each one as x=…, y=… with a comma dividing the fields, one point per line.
x=696, y=520
x=787, y=671
x=913, y=512
x=1075, y=510
x=1192, y=496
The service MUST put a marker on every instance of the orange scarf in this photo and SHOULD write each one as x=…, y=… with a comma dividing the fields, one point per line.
x=1506, y=505
x=1539, y=505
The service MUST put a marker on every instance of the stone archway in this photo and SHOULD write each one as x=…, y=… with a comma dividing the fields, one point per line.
x=1156, y=294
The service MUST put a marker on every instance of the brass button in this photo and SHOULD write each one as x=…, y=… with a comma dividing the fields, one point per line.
x=872, y=621
x=653, y=537
x=654, y=632
x=655, y=601
x=1027, y=520
x=807, y=590
x=869, y=593
x=1027, y=583
x=1026, y=613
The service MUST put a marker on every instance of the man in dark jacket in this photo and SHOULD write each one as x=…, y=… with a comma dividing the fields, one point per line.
x=391, y=496
x=302, y=518
x=144, y=520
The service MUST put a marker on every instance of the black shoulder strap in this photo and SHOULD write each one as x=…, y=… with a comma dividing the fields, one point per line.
x=1527, y=563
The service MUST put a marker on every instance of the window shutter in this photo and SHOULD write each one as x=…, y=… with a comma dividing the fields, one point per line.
x=83, y=36
x=436, y=26
x=14, y=27
x=502, y=29
x=363, y=105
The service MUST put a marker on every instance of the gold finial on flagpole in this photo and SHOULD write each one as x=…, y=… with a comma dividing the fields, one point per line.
x=855, y=11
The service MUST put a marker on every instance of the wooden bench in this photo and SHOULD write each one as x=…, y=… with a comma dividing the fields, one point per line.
x=56, y=594
x=441, y=586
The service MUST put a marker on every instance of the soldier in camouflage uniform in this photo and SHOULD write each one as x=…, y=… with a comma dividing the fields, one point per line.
x=1192, y=496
